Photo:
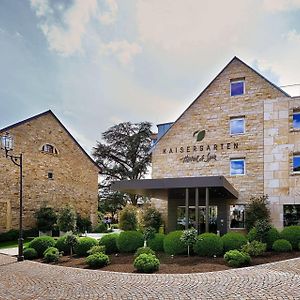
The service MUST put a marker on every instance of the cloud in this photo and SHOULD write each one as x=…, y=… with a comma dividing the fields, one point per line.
x=123, y=50
x=41, y=7
x=281, y=5
x=75, y=29
x=109, y=17
x=67, y=39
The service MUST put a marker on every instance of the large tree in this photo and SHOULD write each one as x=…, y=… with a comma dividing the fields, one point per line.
x=123, y=154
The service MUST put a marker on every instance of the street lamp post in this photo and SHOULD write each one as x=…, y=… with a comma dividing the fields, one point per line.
x=7, y=144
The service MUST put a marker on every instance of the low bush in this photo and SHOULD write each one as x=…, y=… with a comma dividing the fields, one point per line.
x=45, y=218
x=83, y=224
x=110, y=243
x=128, y=218
x=66, y=219
x=255, y=248
x=62, y=245
x=30, y=253
x=84, y=245
x=152, y=218
x=40, y=244
x=157, y=242
x=100, y=228
x=233, y=241
x=51, y=254
x=66, y=243
x=208, y=244
x=142, y=250
x=291, y=234
x=10, y=235
x=146, y=263
x=270, y=237
x=282, y=246
x=130, y=241
x=97, y=260
x=96, y=249
x=114, y=226
x=236, y=258
x=172, y=243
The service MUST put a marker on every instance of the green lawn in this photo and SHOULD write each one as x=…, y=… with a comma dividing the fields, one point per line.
x=13, y=244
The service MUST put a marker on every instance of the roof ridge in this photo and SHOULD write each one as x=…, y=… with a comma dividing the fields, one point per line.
x=59, y=122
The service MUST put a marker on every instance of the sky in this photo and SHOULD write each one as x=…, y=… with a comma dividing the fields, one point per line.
x=96, y=63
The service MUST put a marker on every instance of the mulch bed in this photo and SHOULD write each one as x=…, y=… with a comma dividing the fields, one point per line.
x=176, y=265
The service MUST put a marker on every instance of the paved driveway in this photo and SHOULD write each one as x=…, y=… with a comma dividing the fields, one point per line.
x=31, y=280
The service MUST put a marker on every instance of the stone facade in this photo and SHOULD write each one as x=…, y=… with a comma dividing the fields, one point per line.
x=266, y=144
x=281, y=142
x=75, y=176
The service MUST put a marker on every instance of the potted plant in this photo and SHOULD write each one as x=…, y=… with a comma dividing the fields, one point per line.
x=45, y=220
x=66, y=220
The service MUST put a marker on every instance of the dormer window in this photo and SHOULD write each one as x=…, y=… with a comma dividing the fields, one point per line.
x=237, y=87
x=49, y=149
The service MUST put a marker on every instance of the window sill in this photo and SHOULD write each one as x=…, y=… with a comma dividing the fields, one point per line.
x=295, y=174
x=295, y=130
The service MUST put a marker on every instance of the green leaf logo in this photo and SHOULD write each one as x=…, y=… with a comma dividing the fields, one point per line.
x=200, y=135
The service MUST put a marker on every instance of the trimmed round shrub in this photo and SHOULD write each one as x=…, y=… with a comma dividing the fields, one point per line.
x=142, y=250
x=101, y=228
x=130, y=241
x=208, y=244
x=146, y=263
x=282, y=246
x=172, y=243
x=30, y=253
x=233, y=241
x=110, y=243
x=40, y=244
x=97, y=260
x=51, y=254
x=291, y=234
x=157, y=243
x=270, y=237
x=62, y=246
x=84, y=245
x=255, y=248
x=96, y=249
x=236, y=258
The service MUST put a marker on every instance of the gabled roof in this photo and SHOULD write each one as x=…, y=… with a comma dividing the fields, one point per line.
x=234, y=58
x=59, y=122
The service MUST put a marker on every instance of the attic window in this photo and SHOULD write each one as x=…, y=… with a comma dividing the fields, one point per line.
x=49, y=149
x=237, y=87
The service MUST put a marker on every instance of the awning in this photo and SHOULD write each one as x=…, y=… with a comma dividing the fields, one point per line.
x=219, y=185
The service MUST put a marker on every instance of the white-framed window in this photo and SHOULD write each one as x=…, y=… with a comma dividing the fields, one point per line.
x=237, y=216
x=237, y=166
x=48, y=148
x=296, y=119
x=237, y=125
x=50, y=175
x=296, y=163
x=237, y=87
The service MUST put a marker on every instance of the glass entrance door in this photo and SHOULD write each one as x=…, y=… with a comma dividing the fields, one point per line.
x=213, y=216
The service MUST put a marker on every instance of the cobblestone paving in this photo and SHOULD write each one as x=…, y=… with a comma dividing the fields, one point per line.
x=31, y=280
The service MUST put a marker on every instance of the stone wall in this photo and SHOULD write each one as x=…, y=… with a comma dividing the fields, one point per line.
x=281, y=141
x=75, y=177
x=212, y=112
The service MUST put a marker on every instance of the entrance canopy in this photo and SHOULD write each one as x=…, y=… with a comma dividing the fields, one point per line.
x=218, y=186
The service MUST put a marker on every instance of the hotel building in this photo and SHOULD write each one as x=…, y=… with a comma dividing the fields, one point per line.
x=240, y=138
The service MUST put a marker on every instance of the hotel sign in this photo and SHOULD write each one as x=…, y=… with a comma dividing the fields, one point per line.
x=200, y=153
